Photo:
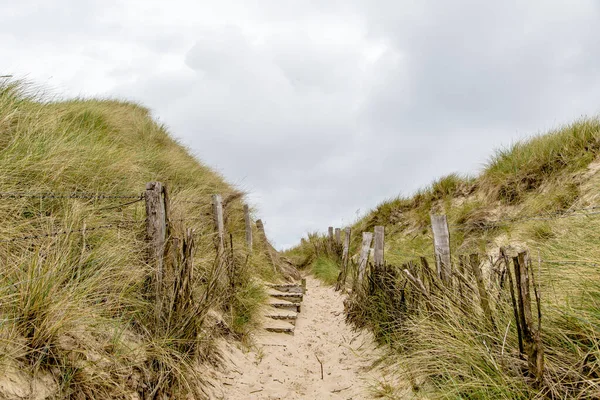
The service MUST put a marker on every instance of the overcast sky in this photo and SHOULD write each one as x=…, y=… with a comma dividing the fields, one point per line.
x=321, y=108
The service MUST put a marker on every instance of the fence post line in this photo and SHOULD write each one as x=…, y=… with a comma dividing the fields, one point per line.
x=217, y=204
x=248, y=226
x=156, y=235
x=441, y=244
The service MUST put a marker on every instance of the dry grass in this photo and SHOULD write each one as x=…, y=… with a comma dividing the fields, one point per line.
x=449, y=353
x=78, y=307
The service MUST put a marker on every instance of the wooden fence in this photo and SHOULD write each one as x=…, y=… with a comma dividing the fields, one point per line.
x=416, y=287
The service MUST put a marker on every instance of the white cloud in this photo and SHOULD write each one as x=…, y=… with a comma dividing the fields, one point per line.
x=321, y=108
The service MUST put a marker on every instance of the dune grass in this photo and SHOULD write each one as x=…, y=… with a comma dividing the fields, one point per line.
x=325, y=269
x=75, y=309
x=451, y=354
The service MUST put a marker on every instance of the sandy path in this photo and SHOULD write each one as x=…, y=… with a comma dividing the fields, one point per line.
x=286, y=367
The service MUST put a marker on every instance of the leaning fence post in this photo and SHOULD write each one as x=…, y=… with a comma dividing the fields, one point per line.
x=248, y=226
x=156, y=235
x=441, y=244
x=219, y=224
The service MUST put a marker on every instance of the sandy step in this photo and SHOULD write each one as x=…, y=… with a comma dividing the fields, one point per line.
x=287, y=288
x=291, y=297
x=283, y=316
x=283, y=304
x=280, y=327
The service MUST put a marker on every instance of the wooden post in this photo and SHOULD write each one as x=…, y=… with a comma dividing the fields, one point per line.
x=514, y=301
x=156, y=235
x=483, y=295
x=531, y=336
x=441, y=243
x=341, y=282
x=217, y=204
x=367, y=238
x=248, y=226
x=338, y=242
x=330, y=244
x=346, y=254
x=378, y=256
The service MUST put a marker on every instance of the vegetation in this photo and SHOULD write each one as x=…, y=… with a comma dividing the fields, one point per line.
x=533, y=195
x=78, y=317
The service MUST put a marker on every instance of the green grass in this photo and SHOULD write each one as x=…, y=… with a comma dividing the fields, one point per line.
x=78, y=308
x=326, y=269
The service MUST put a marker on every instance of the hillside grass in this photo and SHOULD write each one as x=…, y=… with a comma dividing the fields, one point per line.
x=525, y=198
x=77, y=317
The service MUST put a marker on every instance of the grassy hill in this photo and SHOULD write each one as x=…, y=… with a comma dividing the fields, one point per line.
x=78, y=317
x=539, y=195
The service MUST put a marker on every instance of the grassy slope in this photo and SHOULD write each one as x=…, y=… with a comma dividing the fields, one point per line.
x=451, y=357
x=74, y=310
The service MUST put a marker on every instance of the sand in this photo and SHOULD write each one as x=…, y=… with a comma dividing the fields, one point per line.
x=282, y=366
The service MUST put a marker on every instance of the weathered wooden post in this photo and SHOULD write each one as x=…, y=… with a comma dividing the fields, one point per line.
x=531, y=336
x=367, y=238
x=217, y=204
x=378, y=256
x=346, y=255
x=338, y=243
x=248, y=226
x=330, y=245
x=156, y=235
x=441, y=244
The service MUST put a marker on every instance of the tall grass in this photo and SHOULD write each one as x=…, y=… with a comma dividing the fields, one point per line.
x=444, y=352
x=77, y=307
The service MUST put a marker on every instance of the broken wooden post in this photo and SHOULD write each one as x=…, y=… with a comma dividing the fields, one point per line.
x=248, y=222
x=156, y=235
x=531, y=336
x=217, y=204
x=367, y=238
x=441, y=244
x=483, y=295
x=338, y=243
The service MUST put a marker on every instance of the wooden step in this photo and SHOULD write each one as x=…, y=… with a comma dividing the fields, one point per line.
x=287, y=288
x=291, y=297
x=283, y=304
x=283, y=316
x=280, y=327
